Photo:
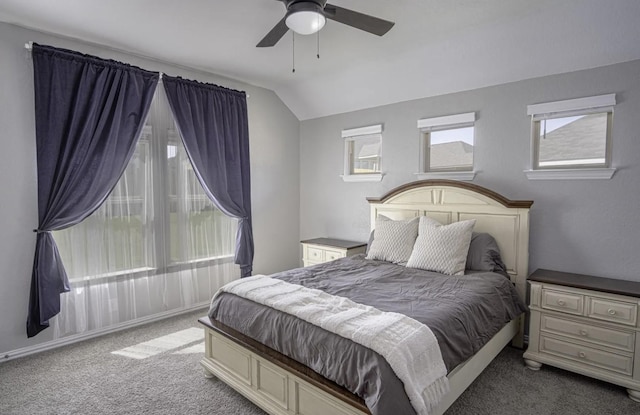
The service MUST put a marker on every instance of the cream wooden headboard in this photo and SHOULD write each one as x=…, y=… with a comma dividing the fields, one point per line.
x=450, y=201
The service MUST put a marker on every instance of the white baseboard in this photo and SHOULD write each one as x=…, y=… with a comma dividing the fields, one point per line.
x=54, y=344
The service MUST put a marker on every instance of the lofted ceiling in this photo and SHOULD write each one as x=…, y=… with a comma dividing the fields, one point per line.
x=436, y=46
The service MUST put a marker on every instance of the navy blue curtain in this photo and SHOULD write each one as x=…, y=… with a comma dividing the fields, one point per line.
x=214, y=127
x=89, y=114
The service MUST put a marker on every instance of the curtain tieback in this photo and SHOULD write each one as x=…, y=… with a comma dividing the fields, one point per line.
x=40, y=231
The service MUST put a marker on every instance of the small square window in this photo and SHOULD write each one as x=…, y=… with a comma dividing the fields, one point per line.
x=362, y=153
x=446, y=147
x=571, y=139
x=574, y=141
x=449, y=149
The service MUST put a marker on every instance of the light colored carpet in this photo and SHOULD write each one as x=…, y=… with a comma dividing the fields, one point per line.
x=87, y=378
x=507, y=387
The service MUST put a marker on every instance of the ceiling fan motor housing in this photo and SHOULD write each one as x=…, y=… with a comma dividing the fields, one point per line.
x=305, y=17
x=305, y=5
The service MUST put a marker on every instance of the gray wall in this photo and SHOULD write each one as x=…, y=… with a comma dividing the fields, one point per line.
x=583, y=226
x=274, y=133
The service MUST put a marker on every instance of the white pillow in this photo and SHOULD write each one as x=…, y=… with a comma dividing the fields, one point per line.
x=442, y=248
x=393, y=239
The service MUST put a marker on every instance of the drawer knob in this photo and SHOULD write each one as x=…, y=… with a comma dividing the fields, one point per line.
x=561, y=303
x=582, y=355
x=611, y=311
x=584, y=333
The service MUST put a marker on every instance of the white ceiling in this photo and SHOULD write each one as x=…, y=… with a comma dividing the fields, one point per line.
x=435, y=47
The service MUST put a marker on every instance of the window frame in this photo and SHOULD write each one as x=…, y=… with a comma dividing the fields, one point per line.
x=601, y=104
x=426, y=126
x=350, y=137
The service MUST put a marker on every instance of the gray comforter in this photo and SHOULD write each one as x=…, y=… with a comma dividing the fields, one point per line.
x=463, y=312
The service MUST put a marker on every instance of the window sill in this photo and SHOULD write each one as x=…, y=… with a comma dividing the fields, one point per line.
x=453, y=175
x=571, y=174
x=374, y=177
x=199, y=263
x=136, y=272
x=149, y=271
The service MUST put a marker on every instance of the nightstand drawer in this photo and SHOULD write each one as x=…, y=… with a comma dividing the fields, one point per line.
x=315, y=254
x=562, y=301
x=319, y=250
x=614, y=311
x=608, y=337
x=586, y=355
x=330, y=255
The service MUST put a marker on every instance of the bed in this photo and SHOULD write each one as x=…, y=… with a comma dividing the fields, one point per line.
x=281, y=385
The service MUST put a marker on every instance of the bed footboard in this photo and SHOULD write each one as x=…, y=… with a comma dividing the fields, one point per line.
x=282, y=386
x=259, y=376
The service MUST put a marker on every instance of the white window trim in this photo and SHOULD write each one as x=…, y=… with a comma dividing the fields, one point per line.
x=569, y=107
x=354, y=134
x=370, y=177
x=447, y=121
x=602, y=173
x=452, y=175
x=426, y=125
x=577, y=104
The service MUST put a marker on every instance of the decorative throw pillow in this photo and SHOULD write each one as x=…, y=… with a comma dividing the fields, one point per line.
x=442, y=248
x=393, y=240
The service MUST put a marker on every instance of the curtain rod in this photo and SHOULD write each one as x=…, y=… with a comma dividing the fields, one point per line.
x=29, y=46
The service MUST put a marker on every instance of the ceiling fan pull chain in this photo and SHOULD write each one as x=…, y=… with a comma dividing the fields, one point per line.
x=293, y=52
x=318, y=40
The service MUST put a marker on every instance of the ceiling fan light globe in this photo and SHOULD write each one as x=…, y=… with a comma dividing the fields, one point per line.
x=305, y=22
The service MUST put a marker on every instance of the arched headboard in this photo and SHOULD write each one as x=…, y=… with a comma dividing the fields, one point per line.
x=450, y=201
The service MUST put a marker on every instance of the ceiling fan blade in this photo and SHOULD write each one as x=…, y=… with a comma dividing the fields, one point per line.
x=358, y=20
x=279, y=30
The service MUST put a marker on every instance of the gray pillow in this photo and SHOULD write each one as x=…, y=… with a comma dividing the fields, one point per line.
x=369, y=242
x=484, y=254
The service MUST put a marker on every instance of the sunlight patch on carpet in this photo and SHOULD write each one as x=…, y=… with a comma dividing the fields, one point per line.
x=162, y=344
x=196, y=348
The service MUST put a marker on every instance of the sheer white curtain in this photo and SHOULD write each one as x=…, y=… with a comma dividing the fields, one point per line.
x=157, y=243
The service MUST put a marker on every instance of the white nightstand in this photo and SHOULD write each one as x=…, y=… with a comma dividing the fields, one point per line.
x=587, y=325
x=319, y=250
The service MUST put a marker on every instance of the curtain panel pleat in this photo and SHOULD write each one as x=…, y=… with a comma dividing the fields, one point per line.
x=89, y=115
x=214, y=127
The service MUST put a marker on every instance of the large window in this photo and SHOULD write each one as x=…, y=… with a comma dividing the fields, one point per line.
x=446, y=146
x=157, y=217
x=362, y=153
x=572, y=135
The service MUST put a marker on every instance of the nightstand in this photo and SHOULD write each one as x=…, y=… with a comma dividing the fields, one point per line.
x=319, y=250
x=586, y=324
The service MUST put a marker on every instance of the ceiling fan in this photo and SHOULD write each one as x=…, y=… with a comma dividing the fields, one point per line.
x=309, y=16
